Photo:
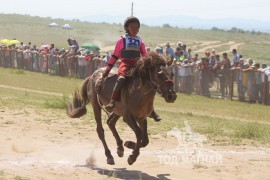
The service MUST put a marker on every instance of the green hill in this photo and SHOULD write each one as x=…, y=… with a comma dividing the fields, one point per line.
x=35, y=29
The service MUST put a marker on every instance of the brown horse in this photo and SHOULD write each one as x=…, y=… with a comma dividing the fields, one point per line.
x=135, y=104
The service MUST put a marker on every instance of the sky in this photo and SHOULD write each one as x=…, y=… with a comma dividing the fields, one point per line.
x=204, y=9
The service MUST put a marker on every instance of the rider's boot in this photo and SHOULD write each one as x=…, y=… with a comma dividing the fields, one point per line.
x=155, y=116
x=119, y=82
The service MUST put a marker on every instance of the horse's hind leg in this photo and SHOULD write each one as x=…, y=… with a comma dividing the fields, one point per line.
x=111, y=123
x=100, y=131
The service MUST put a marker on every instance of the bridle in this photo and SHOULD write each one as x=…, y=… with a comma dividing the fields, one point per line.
x=156, y=86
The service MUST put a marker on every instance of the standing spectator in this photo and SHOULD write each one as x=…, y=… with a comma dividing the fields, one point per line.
x=250, y=74
x=148, y=49
x=211, y=65
x=30, y=45
x=213, y=52
x=159, y=51
x=207, y=55
x=102, y=61
x=82, y=64
x=217, y=71
x=179, y=45
x=19, y=55
x=21, y=45
x=185, y=52
x=7, y=56
x=262, y=70
x=187, y=76
x=239, y=78
x=170, y=50
x=189, y=56
x=177, y=53
x=258, y=83
x=267, y=73
x=250, y=61
x=225, y=79
x=204, y=79
x=107, y=57
x=88, y=58
x=176, y=71
x=196, y=58
x=235, y=58
x=181, y=77
x=168, y=58
x=27, y=58
x=212, y=61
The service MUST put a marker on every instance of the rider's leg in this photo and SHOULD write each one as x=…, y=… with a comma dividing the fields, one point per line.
x=118, y=85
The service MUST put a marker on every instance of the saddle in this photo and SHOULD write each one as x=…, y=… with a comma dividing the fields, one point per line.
x=100, y=85
x=111, y=78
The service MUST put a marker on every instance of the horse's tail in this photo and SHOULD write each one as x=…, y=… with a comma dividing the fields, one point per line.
x=77, y=108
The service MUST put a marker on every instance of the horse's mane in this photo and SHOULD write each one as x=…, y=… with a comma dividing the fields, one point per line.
x=141, y=71
x=144, y=64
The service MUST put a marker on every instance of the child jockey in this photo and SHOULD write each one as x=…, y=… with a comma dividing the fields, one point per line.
x=128, y=49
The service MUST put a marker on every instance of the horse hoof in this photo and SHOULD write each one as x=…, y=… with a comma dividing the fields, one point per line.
x=120, y=153
x=131, y=160
x=130, y=144
x=110, y=161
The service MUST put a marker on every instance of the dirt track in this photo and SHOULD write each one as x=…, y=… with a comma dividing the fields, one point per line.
x=42, y=145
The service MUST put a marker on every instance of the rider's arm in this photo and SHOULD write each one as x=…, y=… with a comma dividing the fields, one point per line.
x=115, y=56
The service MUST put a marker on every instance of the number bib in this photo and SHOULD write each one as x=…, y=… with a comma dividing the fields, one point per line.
x=132, y=47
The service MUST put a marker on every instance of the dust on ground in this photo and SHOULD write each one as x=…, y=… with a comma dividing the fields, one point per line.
x=46, y=145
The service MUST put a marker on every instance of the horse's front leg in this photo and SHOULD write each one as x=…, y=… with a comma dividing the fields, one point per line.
x=134, y=126
x=100, y=131
x=145, y=139
x=111, y=123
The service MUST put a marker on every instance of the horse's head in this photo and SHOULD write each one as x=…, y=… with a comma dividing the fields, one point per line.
x=162, y=77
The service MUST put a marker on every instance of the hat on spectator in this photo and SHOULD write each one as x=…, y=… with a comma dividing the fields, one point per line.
x=168, y=44
x=250, y=60
x=241, y=60
x=246, y=64
x=179, y=44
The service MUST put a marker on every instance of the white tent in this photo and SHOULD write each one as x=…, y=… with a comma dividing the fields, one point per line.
x=66, y=26
x=53, y=25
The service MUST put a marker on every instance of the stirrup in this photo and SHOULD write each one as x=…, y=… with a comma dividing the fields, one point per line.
x=110, y=106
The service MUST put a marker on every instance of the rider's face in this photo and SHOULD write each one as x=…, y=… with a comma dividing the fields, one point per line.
x=133, y=29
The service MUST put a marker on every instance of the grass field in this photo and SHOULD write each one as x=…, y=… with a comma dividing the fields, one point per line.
x=223, y=121
x=35, y=29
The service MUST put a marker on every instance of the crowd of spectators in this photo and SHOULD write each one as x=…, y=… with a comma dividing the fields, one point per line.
x=56, y=61
x=216, y=72
x=211, y=74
